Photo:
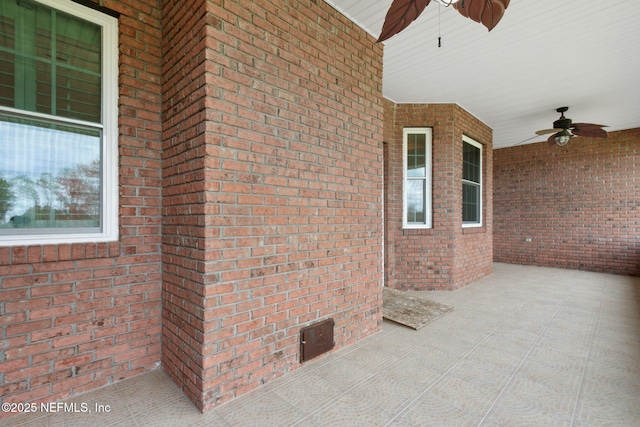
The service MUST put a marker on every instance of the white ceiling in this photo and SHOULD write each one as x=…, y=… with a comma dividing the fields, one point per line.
x=544, y=54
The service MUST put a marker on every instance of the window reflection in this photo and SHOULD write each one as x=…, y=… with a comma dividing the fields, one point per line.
x=416, y=155
x=49, y=175
x=415, y=201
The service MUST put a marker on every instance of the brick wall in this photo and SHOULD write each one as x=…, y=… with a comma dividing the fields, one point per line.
x=578, y=204
x=272, y=188
x=474, y=247
x=77, y=317
x=445, y=256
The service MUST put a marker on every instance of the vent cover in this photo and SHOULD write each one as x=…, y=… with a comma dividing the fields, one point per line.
x=316, y=339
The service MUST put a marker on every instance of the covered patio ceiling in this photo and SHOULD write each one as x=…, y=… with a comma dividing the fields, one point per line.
x=543, y=54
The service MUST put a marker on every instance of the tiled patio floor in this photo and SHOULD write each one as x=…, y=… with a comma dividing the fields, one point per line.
x=528, y=346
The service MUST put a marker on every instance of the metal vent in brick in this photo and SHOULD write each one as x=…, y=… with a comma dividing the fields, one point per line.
x=316, y=339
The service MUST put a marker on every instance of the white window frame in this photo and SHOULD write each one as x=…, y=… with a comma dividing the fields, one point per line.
x=109, y=127
x=427, y=178
x=466, y=139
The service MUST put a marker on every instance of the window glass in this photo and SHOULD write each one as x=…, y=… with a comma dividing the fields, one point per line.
x=470, y=205
x=471, y=163
x=416, y=155
x=415, y=201
x=50, y=61
x=52, y=182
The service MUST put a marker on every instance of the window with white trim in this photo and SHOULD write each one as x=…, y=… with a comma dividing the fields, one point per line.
x=417, y=177
x=58, y=123
x=471, y=183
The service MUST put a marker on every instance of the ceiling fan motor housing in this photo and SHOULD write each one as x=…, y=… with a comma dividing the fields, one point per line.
x=562, y=123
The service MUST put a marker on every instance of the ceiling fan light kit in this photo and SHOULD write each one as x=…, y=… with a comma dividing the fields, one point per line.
x=562, y=138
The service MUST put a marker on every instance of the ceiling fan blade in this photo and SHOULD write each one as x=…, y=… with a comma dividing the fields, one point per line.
x=401, y=13
x=548, y=131
x=486, y=12
x=594, y=132
x=587, y=125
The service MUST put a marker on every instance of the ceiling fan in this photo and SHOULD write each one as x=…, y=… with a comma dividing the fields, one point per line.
x=564, y=129
x=401, y=13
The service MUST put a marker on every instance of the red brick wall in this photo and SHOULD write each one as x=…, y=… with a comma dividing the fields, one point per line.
x=445, y=256
x=184, y=163
x=579, y=204
x=272, y=188
x=474, y=247
x=392, y=193
x=77, y=317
